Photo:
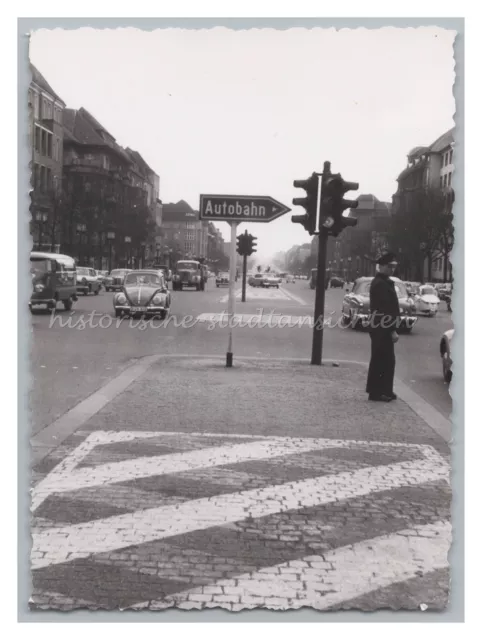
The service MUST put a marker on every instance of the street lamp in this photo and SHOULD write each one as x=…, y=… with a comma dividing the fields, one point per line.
x=423, y=246
x=110, y=238
x=81, y=229
x=41, y=219
x=127, y=240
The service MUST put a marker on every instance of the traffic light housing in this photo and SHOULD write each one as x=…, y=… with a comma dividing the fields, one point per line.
x=309, y=203
x=252, y=245
x=333, y=204
x=241, y=244
x=246, y=244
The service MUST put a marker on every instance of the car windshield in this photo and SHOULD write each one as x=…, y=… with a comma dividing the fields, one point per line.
x=363, y=289
x=39, y=267
x=142, y=278
x=83, y=271
x=187, y=265
x=117, y=272
x=427, y=291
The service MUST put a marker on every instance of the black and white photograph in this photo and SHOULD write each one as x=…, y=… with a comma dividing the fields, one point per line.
x=240, y=307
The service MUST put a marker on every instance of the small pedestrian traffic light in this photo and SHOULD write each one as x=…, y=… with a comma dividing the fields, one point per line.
x=309, y=203
x=333, y=204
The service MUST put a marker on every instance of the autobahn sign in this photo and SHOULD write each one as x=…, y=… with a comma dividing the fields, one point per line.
x=241, y=208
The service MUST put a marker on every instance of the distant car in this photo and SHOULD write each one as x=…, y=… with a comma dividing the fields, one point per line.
x=446, y=354
x=222, y=280
x=356, y=305
x=144, y=292
x=256, y=280
x=101, y=276
x=426, y=300
x=115, y=280
x=444, y=291
x=270, y=280
x=289, y=279
x=336, y=283
x=87, y=281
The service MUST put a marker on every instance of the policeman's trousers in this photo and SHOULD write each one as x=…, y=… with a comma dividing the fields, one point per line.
x=382, y=363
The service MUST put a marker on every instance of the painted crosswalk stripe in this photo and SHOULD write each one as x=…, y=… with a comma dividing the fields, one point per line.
x=324, y=581
x=67, y=543
x=69, y=479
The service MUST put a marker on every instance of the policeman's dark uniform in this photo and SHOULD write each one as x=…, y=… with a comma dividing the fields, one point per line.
x=385, y=311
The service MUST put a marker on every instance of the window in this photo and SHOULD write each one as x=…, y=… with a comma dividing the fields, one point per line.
x=450, y=179
x=441, y=181
x=445, y=180
x=36, y=105
x=36, y=176
x=48, y=178
x=43, y=142
x=42, y=177
x=451, y=156
x=105, y=162
x=38, y=132
x=87, y=187
x=49, y=145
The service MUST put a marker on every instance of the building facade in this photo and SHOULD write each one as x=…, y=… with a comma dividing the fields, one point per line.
x=429, y=168
x=46, y=110
x=109, y=196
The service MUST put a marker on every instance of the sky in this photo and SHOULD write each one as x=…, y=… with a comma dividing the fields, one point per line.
x=247, y=112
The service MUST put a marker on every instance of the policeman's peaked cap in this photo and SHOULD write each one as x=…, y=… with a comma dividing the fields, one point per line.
x=386, y=258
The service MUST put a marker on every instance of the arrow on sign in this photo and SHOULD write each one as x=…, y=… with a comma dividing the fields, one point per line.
x=241, y=208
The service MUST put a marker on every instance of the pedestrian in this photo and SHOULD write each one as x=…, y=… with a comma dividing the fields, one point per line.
x=385, y=311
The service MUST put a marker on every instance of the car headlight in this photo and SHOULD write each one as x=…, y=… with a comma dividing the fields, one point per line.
x=158, y=299
x=39, y=287
x=121, y=299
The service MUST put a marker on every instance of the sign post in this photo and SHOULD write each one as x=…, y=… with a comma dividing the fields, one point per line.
x=234, y=210
x=231, y=301
x=243, y=295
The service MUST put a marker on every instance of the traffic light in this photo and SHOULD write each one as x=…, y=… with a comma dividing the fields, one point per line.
x=333, y=204
x=241, y=244
x=309, y=203
x=252, y=245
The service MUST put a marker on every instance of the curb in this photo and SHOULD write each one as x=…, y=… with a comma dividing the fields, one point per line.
x=51, y=436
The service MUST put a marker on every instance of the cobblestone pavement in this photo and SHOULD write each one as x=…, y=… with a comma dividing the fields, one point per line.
x=150, y=519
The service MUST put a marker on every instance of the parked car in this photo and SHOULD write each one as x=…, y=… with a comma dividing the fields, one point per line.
x=53, y=280
x=144, y=292
x=289, y=279
x=446, y=354
x=115, y=280
x=444, y=291
x=356, y=305
x=87, y=281
x=222, y=280
x=426, y=300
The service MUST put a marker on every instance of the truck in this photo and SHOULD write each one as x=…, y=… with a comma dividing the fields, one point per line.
x=189, y=273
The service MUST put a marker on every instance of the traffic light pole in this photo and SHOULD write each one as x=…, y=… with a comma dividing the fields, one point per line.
x=232, y=279
x=319, y=319
x=245, y=261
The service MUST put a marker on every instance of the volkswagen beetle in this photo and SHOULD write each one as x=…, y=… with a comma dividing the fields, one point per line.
x=426, y=300
x=144, y=293
x=356, y=305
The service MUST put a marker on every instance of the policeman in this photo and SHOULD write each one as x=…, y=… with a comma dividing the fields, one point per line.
x=385, y=311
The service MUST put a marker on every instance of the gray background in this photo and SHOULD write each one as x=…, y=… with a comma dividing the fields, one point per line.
x=455, y=612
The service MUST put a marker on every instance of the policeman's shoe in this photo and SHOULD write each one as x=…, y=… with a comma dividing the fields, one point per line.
x=393, y=396
x=381, y=398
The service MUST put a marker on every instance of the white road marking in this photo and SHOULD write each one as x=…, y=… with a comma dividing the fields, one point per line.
x=253, y=320
x=67, y=479
x=259, y=293
x=295, y=297
x=65, y=544
x=338, y=576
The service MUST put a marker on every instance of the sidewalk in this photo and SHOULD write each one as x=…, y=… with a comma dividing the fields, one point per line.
x=273, y=484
